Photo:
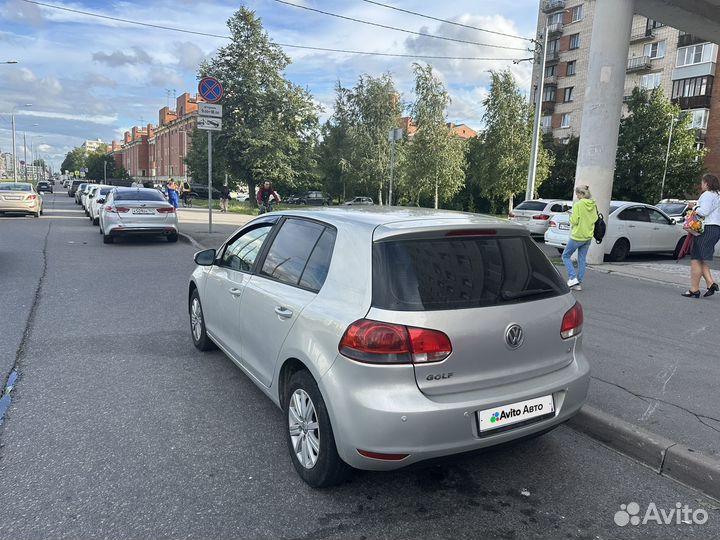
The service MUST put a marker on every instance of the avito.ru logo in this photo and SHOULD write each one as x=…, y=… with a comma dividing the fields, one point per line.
x=680, y=515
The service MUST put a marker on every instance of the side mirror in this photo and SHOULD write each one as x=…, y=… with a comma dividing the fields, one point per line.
x=674, y=221
x=205, y=257
x=101, y=201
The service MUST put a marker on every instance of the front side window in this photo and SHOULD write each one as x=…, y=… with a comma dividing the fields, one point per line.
x=575, y=41
x=565, y=120
x=658, y=218
x=240, y=254
x=571, y=67
x=290, y=253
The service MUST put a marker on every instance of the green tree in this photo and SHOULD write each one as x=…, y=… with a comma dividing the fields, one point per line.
x=642, y=147
x=335, y=148
x=561, y=180
x=74, y=160
x=500, y=166
x=269, y=124
x=433, y=161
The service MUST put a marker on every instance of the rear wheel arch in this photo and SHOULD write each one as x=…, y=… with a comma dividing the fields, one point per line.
x=288, y=369
x=191, y=289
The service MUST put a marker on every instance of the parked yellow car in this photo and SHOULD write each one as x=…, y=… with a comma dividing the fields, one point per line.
x=20, y=198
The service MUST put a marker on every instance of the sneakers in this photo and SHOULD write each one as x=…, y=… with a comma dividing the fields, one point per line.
x=574, y=284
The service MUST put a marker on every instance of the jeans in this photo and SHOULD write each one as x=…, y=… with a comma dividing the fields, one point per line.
x=582, y=249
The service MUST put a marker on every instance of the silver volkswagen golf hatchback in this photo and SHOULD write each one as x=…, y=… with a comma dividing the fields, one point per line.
x=390, y=335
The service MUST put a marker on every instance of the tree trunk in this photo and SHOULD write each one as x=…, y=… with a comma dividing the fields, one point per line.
x=251, y=192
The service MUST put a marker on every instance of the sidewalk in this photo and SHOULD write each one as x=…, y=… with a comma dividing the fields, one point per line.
x=194, y=226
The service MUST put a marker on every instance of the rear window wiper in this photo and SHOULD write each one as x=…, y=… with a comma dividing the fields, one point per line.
x=507, y=295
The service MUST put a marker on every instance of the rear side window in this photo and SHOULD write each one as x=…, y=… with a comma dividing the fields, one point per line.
x=531, y=205
x=300, y=254
x=457, y=273
x=139, y=195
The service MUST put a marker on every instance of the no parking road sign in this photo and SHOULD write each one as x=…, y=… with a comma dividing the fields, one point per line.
x=210, y=89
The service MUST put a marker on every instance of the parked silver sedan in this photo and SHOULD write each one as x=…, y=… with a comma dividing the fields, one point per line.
x=137, y=211
x=390, y=336
x=20, y=198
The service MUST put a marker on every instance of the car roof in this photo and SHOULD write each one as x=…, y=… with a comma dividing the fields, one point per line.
x=371, y=217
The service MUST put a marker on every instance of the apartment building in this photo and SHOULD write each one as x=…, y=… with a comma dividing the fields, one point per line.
x=659, y=56
x=91, y=146
x=463, y=131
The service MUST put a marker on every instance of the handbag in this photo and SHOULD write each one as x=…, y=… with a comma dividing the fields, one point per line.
x=694, y=224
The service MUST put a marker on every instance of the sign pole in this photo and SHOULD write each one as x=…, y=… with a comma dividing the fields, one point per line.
x=209, y=181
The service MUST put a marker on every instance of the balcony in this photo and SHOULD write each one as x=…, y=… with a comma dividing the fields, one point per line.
x=555, y=28
x=547, y=130
x=552, y=57
x=692, y=102
x=639, y=63
x=688, y=39
x=553, y=5
x=700, y=134
x=548, y=107
x=551, y=80
x=638, y=35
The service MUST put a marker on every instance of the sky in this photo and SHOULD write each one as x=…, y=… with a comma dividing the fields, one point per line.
x=89, y=78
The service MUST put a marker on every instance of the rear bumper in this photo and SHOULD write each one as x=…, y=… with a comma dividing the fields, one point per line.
x=19, y=207
x=388, y=414
x=123, y=230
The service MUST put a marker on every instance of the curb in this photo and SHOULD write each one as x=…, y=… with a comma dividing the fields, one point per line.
x=664, y=456
x=190, y=240
x=635, y=276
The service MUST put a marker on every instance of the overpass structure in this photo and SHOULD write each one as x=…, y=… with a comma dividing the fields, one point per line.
x=608, y=56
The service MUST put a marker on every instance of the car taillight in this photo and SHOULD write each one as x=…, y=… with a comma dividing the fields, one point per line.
x=552, y=224
x=121, y=209
x=170, y=210
x=572, y=322
x=31, y=197
x=377, y=342
x=543, y=217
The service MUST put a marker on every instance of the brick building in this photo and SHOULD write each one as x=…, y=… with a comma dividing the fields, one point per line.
x=659, y=56
x=135, y=152
x=461, y=130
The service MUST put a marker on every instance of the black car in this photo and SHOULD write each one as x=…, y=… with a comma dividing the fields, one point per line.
x=315, y=198
x=292, y=199
x=44, y=186
x=200, y=191
x=74, y=187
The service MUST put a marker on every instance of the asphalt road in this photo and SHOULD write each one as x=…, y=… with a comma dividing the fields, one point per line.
x=119, y=428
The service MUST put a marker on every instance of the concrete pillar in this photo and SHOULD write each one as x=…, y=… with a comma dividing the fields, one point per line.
x=603, y=104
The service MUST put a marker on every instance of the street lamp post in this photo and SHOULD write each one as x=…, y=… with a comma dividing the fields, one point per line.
x=14, y=152
x=667, y=155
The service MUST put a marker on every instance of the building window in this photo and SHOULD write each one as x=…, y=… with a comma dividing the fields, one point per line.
x=571, y=68
x=651, y=80
x=697, y=86
x=655, y=50
x=565, y=121
x=699, y=118
x=577, y=13
x=696, y=54
x=549, y=93
x=568, y=94
x=575, y=41
x=553, y=45
x=555, y=18
x=547, y=121
x=550, y=71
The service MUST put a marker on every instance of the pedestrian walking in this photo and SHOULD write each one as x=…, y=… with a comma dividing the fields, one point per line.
x=703, y=248
x=582, y=225
x=224, y=198
x=172, y=190
x=185, y=194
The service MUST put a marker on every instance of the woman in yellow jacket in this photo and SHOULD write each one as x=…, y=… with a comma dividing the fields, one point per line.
x=582, y=225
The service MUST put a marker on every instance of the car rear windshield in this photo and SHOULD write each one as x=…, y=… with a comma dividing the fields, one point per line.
x=14, y=187
x=457, y=273
x=139, y=195
x=531, y=205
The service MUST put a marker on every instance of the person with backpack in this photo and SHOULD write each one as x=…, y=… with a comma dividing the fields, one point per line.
x=582, y=230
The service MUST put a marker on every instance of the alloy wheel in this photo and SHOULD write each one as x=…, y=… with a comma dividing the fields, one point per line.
x=196, y=319
x=304, y=428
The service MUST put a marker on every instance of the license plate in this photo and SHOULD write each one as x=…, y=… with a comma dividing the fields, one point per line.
x=142, y=211
x=564, y=226
x=522, y=218
x=507, y=415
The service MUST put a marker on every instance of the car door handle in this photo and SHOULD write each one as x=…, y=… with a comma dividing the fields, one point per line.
x=235, y=291
x=656, y=228
x=631, y=226
x=283, y=312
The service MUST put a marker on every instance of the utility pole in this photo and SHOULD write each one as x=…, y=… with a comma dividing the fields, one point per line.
x=25, y=154
x=667, y=156
x=14, y=149
x=105, y=172
x=394, y=135
x=532, y=169
x=209, y=181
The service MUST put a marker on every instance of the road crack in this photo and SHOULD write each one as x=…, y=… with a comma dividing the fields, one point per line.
x=698, y=416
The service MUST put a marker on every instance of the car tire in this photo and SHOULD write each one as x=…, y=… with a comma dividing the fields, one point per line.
x=678, y=247
x=172, y=238
x=197, y=324
x=322, y=466
x=95, y=221
x=561, y=250
x=620, y=250
x=36, y=214
x=107, y=239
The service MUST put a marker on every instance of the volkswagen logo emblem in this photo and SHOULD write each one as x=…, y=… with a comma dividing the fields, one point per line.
x=514, y=336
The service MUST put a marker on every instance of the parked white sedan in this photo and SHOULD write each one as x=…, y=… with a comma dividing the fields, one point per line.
x=535, y=214
x=137, y=211
x=631, y=228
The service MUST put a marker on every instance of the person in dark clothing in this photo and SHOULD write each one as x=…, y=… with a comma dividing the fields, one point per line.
x=264, y=194
x=224, y=198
